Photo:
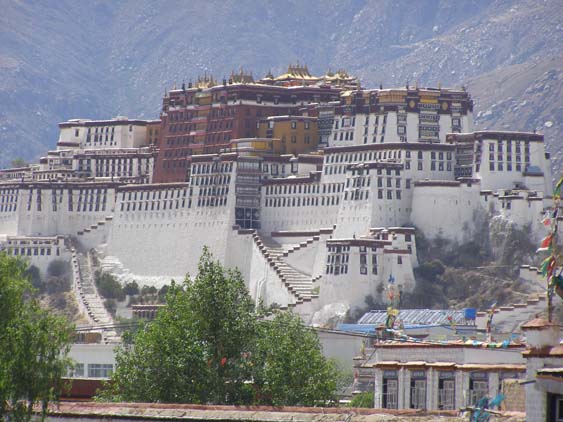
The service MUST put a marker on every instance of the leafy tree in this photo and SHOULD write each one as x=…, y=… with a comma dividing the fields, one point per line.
x=363, y=400
x=18, y=162
x=33, y=346
x=207, y=344
x=58, y=268
x=148, y=290
x=109, y=287
x=192, y=351
x=57, y=285
x=34, y=275
x=291, y=369
x=131, y=288
x=111, y=306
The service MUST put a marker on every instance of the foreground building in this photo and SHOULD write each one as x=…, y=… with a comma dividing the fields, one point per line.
x=438, y=376
x=311, y=186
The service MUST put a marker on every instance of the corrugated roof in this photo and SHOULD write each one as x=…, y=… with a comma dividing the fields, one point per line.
x=418, y=317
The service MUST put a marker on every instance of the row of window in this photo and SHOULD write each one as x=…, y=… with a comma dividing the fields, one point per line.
x=378, y=155
x=210, y=180
x=517, y=146
x=478, y=388
x=305, y=188
x=214, y=191
x=7, y=197
x=302, y=201
x=389, y=194
x=509, y=167
x=95, y=370
x=212, y=168
x=155, y=205
x=154, y=194
x=356, y=195
x=100, y=130
x=500, y=157
x=33, y=251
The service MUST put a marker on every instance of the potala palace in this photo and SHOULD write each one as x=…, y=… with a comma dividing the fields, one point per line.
x=314, y=187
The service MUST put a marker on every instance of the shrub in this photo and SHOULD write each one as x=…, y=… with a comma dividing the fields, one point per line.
x=33, y=274
x=109, y=287
x=148, y=290
x=58, y=268
x=363, y=400
x=111, y=306
x=57, y=285
x=131, y=288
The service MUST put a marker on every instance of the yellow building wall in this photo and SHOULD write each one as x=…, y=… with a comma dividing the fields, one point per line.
x=297, y=140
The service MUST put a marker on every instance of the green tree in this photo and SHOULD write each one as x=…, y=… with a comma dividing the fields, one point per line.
x=207, y=345
x=363, y=400
x=193, y=351
x=131, y=288
x=18, y=162
x=109, y=287
x=34, y=344
x=290, y=367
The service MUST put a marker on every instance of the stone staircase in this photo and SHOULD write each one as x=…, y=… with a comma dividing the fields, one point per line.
x=508, y=319
x=299, y=284
x=90, y=301
x=94, y=227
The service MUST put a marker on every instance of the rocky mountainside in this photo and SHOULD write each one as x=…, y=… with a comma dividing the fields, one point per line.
x=66, y=59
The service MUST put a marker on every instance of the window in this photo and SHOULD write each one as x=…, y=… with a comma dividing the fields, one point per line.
x=293, y=139
x=76, y=132
x=77, y=371
x=478, y=387
x=293, y=124
x=446, y=390
x=418, y=390
x=307, y=125
x=390, y=389
x=99, y=370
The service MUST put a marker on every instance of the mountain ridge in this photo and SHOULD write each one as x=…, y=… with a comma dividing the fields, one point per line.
x=64, y=59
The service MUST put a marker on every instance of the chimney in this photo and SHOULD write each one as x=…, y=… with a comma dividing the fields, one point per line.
x=541, y=333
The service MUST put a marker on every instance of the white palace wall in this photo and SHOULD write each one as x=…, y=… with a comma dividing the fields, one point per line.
x=169, y=242
x=445, y=209
x=45, y=209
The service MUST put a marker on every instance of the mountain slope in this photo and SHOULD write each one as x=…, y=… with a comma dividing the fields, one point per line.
x=66, y=59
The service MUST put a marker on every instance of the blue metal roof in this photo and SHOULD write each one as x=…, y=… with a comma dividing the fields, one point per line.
x=418, y=317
